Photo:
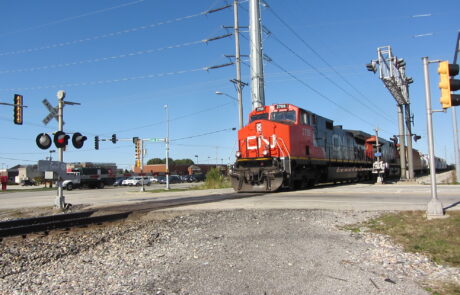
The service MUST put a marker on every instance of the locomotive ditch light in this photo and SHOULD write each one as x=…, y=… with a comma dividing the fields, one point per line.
x=43, y=141
x=238, y=154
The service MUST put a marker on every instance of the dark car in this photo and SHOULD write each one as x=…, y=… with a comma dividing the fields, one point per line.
x=118, y=181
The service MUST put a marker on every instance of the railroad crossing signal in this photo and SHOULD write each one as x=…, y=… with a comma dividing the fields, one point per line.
x=61, y=139
x=18, y=109
x=78, y=140
x=447, y=85
x=43, y=141
x=53, y=112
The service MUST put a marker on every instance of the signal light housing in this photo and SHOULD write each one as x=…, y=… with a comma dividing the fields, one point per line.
x=61, y=139
x=78, y=140
x=43, y=141
x=18, y=109
x=114, y=138
x=96, y=142
x=447, y=85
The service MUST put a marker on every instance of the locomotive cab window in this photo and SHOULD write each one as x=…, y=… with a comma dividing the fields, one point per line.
x=284, y=116
x=263, y=116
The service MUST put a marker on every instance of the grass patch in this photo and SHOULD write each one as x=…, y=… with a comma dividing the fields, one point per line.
x=438, y=239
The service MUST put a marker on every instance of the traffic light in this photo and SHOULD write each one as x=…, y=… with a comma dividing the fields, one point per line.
x=372, y=66
x=61, y=139
x=18, y=107
x=138, y=152
x=96, y=142
x=114, y=138
x=447, y=85
x=43, y=141
x=78, y=140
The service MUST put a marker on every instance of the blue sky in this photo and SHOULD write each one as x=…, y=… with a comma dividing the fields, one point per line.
x=124, y=60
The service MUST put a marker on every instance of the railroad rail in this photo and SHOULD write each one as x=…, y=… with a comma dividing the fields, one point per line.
x=26, y=226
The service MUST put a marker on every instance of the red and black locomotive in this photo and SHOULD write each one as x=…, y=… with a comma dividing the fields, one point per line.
x=286, y=146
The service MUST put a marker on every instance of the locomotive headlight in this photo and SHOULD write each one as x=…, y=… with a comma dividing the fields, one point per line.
x=265, y=152
x=238, y=154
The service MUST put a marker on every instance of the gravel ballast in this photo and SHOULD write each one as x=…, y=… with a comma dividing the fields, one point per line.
x=216, y=252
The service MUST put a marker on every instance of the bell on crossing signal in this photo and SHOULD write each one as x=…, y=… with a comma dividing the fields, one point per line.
x=447, y=85
x=61, y=139
x=78, y=140
x=416, y=137
x=114, y=138
x=18, y=109
x=96, y=142
x=43, y=141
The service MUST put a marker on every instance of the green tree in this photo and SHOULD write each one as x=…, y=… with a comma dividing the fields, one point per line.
x=184, y=162
x=155, y=161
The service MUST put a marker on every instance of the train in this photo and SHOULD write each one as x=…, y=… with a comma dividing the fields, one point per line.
x=285, y=146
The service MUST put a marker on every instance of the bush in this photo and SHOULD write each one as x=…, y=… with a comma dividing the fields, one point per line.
x=214, y=179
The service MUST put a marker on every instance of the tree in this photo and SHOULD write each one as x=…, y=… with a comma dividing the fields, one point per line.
x=155, y=161
x=184, y=162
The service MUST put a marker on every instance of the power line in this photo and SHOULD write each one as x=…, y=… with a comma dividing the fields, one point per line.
x=72, y=18
x=101, y=82
x=103, y=36
x=325, y=61
x=203, y=134
x=173, y=119
x=101, y=59
x=321, y=94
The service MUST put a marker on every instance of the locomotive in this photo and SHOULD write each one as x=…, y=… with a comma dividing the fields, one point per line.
x=286, y=146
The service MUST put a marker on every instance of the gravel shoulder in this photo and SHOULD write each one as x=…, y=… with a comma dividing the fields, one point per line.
x=216, y=252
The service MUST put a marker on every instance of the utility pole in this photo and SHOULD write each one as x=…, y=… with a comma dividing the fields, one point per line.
x=454, y=121
x=167, y=146
x=239, y=86
x=256, y=57
x=435, y=208
x=392, y=72
x=379, y=165
x=60, y=199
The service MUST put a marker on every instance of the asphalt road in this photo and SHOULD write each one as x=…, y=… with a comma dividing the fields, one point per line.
x=340, y=197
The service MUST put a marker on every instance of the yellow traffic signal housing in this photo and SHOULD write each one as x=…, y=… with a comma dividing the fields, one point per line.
x=447, y=85
x=18, y=107
x=138, y=152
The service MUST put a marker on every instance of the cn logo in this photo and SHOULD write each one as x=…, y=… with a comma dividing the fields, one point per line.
x=254, y=142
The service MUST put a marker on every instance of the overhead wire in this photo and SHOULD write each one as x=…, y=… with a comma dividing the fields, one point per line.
x=101, y=59
x=103, y=36
x=315, y=52
x=72, y=18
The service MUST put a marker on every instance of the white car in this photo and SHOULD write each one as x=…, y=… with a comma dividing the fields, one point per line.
x=136, y=181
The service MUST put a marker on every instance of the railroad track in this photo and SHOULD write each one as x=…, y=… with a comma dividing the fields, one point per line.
x=46, y=223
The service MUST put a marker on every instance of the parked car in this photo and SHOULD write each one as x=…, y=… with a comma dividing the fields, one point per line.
x=118, y=181
x=172, y=179
x=136, y=181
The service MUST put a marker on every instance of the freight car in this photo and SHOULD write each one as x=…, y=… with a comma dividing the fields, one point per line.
x=286, y=146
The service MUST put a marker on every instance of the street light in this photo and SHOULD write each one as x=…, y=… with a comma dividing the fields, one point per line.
x=240, y=106
x=51, y=151
x=167, y=146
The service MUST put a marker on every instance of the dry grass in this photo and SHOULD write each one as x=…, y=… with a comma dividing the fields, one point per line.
x=437, y=238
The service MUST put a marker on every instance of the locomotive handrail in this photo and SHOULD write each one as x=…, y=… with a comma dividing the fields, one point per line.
x=279, y=138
